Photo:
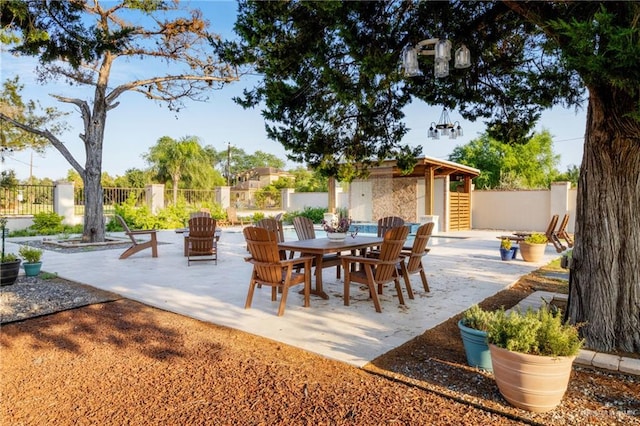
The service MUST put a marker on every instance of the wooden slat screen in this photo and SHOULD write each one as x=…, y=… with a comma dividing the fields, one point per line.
x=460, y=207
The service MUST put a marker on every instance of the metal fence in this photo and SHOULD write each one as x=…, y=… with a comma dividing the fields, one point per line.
x=191, y=196
x=26, y=200
x=110, y=197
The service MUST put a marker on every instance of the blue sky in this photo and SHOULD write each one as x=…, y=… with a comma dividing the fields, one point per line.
x=137, y=124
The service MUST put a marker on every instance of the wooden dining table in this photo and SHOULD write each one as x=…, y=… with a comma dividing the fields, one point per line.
x=319, y=247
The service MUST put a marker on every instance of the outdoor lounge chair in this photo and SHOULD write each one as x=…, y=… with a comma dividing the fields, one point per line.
x=202, y=242
x=552, y=236
x=384, y=224
x=562, y=233
x=412, y=259
x=305, y=231
x=232, y=217
x=377, y=270
x=269, y=269
x=274, y=225
x=137, y=246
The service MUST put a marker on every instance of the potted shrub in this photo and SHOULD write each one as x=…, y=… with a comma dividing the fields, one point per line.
x=473, y=326
x=32, y=263
x=9, y=262
x=531, y=355
x=533, y=246
x=507, y=250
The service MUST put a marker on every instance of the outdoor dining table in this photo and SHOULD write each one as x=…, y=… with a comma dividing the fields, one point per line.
x=318, y=247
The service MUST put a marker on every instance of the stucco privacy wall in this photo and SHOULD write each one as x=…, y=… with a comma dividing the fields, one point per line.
x=523, y=210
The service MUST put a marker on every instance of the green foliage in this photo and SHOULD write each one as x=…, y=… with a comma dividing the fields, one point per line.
x=9, y=257
x=536, y=332
x=49, y=222
x=257, y=216
x=503, y=166
x=30, y=254
x=477, y=318
x=505, y=244
x=536, y=238
x=316, y=214
x=268, y=196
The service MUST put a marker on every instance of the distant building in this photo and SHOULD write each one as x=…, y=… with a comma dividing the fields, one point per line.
x=247, y=183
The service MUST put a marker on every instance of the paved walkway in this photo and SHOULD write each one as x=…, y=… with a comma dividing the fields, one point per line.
x=463, y=268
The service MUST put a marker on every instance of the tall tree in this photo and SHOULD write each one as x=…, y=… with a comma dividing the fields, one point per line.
x=81, y=41
x=333, y=95
x=185, y=159
x=530, y=165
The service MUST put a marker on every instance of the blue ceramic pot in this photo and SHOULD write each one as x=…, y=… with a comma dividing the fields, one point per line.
x=476, y=347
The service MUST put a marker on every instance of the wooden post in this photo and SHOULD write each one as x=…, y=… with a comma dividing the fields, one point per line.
x=428, y=191
x=332, y=194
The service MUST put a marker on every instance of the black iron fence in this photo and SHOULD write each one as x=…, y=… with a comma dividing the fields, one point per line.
x=190, y=196
x=26, y=200
x=110, y=197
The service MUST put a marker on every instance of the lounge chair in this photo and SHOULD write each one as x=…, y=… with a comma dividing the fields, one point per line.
x=412, y=259
x=269, y=269
x=137, y=246
x=201, y=244
x=562, y=233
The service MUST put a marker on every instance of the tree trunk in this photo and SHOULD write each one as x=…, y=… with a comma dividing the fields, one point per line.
x=93, y=202
x=605, y=284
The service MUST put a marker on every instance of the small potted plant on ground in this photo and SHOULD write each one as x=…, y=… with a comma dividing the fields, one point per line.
x=32, y=263
x=531, y=355
x=473, y=326
x=506, y=250
x=9, y=262
x=533, y=246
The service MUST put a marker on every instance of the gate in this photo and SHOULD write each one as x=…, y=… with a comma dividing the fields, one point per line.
x=460, y=211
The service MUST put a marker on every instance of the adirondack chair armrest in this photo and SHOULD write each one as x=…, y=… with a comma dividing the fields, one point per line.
x=143, y=232
x=297, y=260
x=360, y=259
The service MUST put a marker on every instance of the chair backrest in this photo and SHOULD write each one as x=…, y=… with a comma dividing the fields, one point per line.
x=551, y=228
x=202, y=226
x=272, y=225
x=201, y=213
x=232, y=214
x=563, y=224
x=389, y=255
x=263, y=246
x=386, y=223
x=127, y=231
x=304, y=228
x=419, y=246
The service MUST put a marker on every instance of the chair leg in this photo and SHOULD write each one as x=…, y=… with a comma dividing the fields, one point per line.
x=347, y=284
x=372, y=287
x=283, y=300
x=425, y=283
x=252, y=286
x=407, y=282
x=399, y=291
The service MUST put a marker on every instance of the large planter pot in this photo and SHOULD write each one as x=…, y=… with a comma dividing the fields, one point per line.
x=336, y=236
x=531, y=382
x=9, y=272
x=532, y=252
x=32, y=269
x=476, y=347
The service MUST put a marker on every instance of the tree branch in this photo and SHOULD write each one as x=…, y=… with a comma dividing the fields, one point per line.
x=57, y=143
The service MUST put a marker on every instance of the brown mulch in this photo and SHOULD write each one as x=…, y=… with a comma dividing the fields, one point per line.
x=122, y=362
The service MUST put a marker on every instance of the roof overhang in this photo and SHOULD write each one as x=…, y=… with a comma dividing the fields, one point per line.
x=440, y=168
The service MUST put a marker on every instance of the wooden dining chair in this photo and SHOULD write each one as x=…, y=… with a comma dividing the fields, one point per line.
x=274, y=225
x=305, y=231
x=137, y=246
x=412, y=259
x=379, y=270
x=202, y=241
x=386, y=223
x=269, y=269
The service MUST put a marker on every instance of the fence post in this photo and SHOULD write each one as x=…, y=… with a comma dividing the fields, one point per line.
x=223, y=196
x=285, y=198
x=154, y=194
x=559, y=198
x=63, y=201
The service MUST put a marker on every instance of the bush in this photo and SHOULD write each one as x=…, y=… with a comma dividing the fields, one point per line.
x=535, y=332
x=536, y=238
x=30, y=254
x=47, y=223
x=476, y=318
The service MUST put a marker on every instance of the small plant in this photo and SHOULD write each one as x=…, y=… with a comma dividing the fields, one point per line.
x=535, y=332
x=30, y=254
x=505, y=244
x=477, y=318
x=336, y=224
x=536, y=238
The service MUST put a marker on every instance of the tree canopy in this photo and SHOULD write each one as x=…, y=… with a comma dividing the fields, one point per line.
x=333, y=92
x=81, y=42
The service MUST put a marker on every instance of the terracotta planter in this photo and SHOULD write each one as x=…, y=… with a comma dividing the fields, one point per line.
x=532, y=252
x=531, y=382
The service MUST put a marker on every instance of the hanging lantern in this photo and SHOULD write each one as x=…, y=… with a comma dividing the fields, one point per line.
x=462, y=57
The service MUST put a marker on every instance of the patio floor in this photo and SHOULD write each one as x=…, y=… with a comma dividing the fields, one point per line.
x=463, y=268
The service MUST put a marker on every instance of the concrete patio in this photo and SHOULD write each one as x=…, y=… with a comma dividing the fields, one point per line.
x=463, y=268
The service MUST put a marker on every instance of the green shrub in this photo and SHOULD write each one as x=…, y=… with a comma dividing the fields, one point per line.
x=476, y=318
x=30, y=254
x=536, y=332
x=505, y=244
x=536, y=238
x=47, y=223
